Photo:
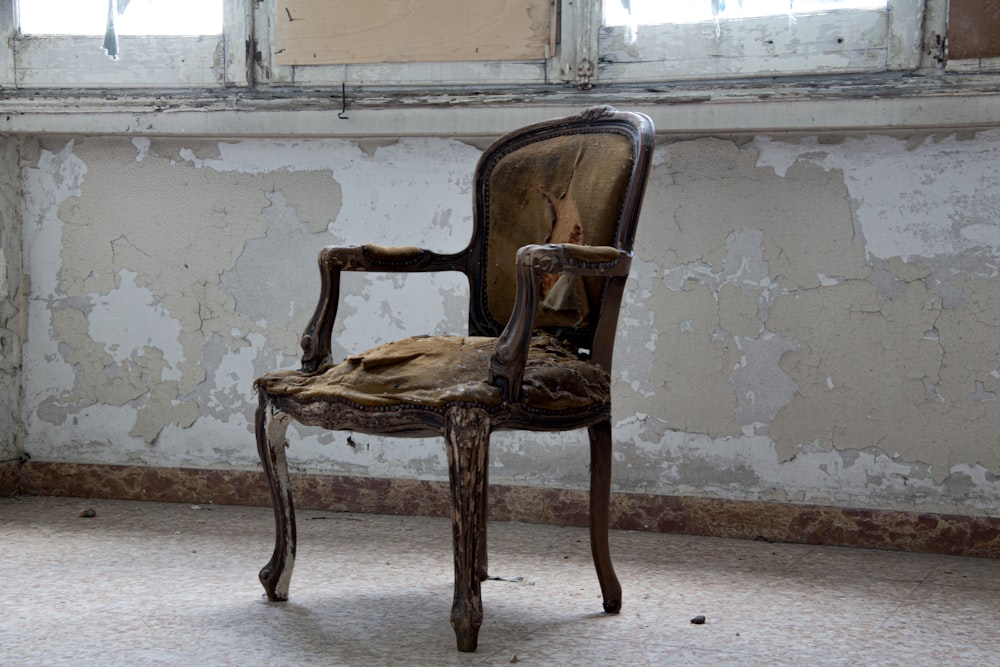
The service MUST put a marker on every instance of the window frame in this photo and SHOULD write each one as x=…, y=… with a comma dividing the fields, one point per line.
x=244, y=56
x=160, y=62
x=419, y=74
x=864, y=41
x=199, y=62
x=260, y=102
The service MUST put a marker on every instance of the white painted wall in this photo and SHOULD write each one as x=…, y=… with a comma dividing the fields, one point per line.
x=810, y=319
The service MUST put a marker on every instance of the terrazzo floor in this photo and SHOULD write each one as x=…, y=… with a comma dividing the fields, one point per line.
x=172, y=584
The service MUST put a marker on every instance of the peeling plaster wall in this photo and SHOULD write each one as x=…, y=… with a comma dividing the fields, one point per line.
x=12, y=302
x=167, y=275
x=815, y=321
x=808, y=320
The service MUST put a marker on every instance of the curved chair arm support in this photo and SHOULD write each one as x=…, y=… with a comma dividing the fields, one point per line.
x=316, y=340
x=511, y=351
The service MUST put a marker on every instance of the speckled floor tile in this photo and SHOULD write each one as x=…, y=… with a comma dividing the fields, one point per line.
x=866, y=564
x=940, y=625
x=171, y=584
x=980, y=573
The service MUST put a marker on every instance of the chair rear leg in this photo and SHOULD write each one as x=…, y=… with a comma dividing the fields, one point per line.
x=600, y=502
x=467, y=434
x=271, y=428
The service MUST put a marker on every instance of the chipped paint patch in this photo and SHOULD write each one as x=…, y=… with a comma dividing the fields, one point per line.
x=141, y=147
x=806, y=321
x=762, y=388
x=746, y=468
x=937, y=198
x=168, y=274
x=784, y=262
x=128, y=319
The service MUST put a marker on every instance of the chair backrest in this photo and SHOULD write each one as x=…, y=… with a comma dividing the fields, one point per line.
x=579, y=179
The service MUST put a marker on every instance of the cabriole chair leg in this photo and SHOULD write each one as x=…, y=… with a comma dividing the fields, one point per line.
x=271, y=428
x=600, y=502
x=467, y=433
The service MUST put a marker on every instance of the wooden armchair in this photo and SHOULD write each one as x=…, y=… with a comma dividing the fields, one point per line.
x=556, y=206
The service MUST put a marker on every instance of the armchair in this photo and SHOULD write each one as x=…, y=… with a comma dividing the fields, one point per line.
x=555, y=211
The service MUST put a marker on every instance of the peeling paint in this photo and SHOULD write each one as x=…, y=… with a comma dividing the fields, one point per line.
x=13, y=329
x=788, y=254
x=128, y=319
x=762, y=388
x=807, y=319
x=746, y=468
x=176, y=258
x=935, y=199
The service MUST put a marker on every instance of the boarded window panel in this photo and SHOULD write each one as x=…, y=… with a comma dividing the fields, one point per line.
x=974, y=29
x=333, y=32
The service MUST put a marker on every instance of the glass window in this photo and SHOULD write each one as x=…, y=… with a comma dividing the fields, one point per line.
x=152, y=44
x=653, y=12
x=205, y=43
x=133, y=17
x=652, y=40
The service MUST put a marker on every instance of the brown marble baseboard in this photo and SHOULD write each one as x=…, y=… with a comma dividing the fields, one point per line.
x=777, y=522
x=9, y=478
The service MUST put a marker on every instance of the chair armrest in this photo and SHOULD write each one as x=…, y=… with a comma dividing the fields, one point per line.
x=316, y=340
x=373, y=257
x=511, y=351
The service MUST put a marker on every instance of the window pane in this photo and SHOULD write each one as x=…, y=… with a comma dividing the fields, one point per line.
x=654, y=12
x=139, y=17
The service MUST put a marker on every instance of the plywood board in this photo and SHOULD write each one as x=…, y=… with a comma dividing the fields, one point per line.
x=330, y=32
x=974, y=29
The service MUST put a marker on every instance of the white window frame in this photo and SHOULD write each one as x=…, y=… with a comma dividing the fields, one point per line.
x=834, y=42
x=587, y=53
x=162, y=62
x=257, y=98
x=973, y=65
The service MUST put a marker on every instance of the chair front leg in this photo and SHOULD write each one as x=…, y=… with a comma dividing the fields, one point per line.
x=467, y=435
x=600, y=503
x=482, y=558
x=271, y=428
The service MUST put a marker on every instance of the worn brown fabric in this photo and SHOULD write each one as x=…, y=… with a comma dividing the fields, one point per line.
x=435, y=371
x=568, y=189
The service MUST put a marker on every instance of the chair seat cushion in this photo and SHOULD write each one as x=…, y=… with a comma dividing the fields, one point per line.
x=435, y=371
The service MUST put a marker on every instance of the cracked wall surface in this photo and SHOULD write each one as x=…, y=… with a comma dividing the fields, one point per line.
x=12, y=302
x=808, y=319
x=167, y=275
x=812, y=322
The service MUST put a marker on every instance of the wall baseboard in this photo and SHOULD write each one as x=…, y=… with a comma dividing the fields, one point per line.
x=755, y=520
x=10, y=474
